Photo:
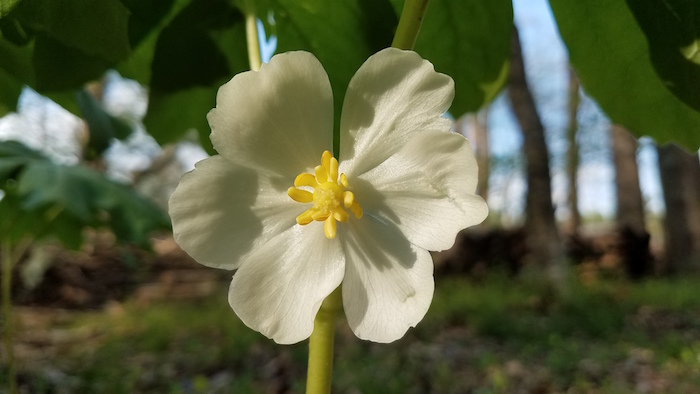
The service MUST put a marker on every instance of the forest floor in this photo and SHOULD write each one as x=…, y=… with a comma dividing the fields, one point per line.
x=172, y=331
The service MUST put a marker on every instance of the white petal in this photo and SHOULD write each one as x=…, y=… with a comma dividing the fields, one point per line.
x=394, y=94
x=280, y=287
x=220, y=211
x=388, y=284
x=426, y=189
x=279, y=118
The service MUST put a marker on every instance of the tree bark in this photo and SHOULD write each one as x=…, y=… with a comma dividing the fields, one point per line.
x=475, y=127
x=543, y=241
x=634, y=239
x=572, y=155
x=680, y=178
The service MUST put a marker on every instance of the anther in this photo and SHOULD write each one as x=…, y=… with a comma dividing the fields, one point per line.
x=300, y=195
x=329, y=198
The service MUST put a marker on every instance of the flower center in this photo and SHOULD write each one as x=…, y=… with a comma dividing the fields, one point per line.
x=330, y=196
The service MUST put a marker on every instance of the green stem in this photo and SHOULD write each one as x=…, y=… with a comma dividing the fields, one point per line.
x=409, y=24
x=7, y=263
x=251, y=33
x=319, y=375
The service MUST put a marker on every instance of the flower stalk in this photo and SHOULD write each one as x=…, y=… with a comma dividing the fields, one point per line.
x=320, y=367
x=7, y=264
x=320, y=370
x=409, y=24
x=251, y=34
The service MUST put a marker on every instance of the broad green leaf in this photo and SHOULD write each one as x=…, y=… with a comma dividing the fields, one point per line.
x=10, y=90
x=610, y=55
x=6, y=6
x=44, y=184
x=59, y=67
x=201, y=49
x=43, y=198
x=103, y=127
x=171, y=115
x=145, y=16
x=16, y=61
x=672, y=30
x=468, y=40
x=14, y=155
x=145, y=26
x=342, y=35
x=13, y=31
x=95, y=28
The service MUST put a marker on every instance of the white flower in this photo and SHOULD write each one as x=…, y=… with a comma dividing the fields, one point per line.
x=406, y=186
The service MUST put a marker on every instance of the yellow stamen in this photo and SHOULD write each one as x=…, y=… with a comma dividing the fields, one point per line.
x=356, y=209
x=330, y=227
x=321, y=174
x=334, y=170
x=348, y=199
x=305, y=218
x=300, y=195
x=305, y=180
x=341, y=215
x=329, y=197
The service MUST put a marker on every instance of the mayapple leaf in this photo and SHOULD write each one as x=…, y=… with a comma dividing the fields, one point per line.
x=611, y=57
x=95, y=28
x=145, y=26
x=10, y=89
x=197, y=52
x=103, y=127
x=6, y=6
x=468, y=40
x=171, y=115
x=672, y=30
x=145, y=16
x=59, y=67
x=43, y=184
x=14, y=155
x=342, y=35
x=53, y=199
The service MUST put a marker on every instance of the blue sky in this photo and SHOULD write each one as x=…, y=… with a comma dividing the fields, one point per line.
x=546, y=63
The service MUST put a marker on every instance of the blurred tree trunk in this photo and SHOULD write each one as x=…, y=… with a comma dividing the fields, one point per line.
x=634, y=239
x=572, y=154
x=680, y=178
x=475, y=128
x=543, y=241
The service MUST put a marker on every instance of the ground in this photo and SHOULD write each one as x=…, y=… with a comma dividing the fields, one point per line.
x=164, y=326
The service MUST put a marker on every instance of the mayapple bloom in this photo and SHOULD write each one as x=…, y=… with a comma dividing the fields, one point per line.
x=296, y=222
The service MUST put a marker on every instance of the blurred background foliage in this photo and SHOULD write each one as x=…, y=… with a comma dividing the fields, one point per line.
x=184, y=50
x=534, y=305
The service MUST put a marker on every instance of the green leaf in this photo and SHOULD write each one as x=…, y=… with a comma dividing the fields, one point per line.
x=6, y=6
x=145, y=16
x=144, y=37
x=672, y=30
x=171, y=115
x=61, y=67
x=95, y=28
x=44, y=184
x=14, y=155
x=468, y=40
x=13, y=31
x=44, y=198
x=609, y=53
x=10, y=89
x=201, y=49
x=16, y=61
x=103, y=126
x=342, y=35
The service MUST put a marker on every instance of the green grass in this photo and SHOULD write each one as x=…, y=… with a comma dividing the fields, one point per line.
x=492, y=336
